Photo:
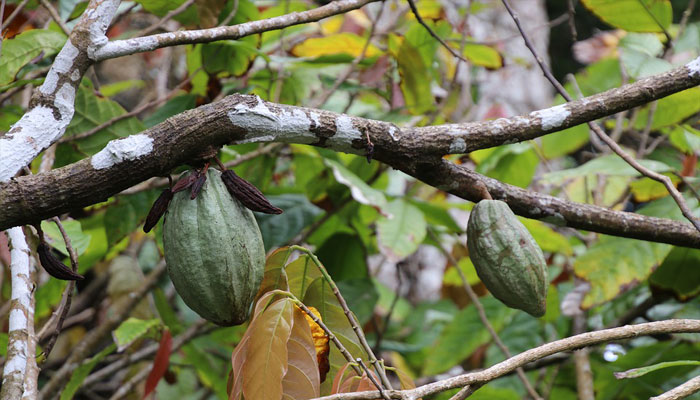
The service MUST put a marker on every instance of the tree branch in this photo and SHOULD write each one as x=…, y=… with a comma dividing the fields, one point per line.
x=243, y=119
x=120, y=48
x=504, y=367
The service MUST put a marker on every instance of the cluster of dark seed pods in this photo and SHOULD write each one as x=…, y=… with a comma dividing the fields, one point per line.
x=239, y=188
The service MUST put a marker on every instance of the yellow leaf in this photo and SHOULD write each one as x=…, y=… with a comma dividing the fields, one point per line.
x=339, y=43
x=320, y=339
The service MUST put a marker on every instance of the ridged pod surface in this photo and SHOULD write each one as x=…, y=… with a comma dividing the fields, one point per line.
x=506, y=257
x=214, y=252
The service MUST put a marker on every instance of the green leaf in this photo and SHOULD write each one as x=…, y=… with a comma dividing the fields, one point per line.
x=437, y=214
x=279, y=229
x=361, y=297
x=452, y=275
x=132, y=330
x=415, y=84
x=464, y=335
x=122, y=218
x=301, y=273
x=91, y=111
x=166, y=312
x=360, y=190
x=398, y=236
x=23, y=48
x=565, y=142
x=637, y=372
x=547, y=238
x=115, y=88
x=344, y=257
x=679, y=273
x=633, y=15
x=640, y=65
x=482, y=55
x=611, y=165
x=685, y=138
x=174, y=106
x=79, y=239
x=646, y=189
x=9, y=115
x=83, y=371
x=161, y=7
x=194, y=67
x=672, y=109
x=614, y=264
x=514, y=164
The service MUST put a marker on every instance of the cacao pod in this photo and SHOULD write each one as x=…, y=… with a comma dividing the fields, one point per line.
x=214, y=252
x=506, y=257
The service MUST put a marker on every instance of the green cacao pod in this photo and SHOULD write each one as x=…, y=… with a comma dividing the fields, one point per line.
x=214, y=251
x=506, y=257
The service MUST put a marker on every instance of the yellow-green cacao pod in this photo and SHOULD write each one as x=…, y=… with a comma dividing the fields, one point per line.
x=214, y=251
x=506, y=257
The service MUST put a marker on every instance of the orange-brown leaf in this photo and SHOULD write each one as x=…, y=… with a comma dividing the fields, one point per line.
x=302, y=379
x=237, y=360
x=266, y=359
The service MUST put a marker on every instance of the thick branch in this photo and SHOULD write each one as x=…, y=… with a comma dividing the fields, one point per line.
x=120, y=48
x=242, y=119
x=504, y=367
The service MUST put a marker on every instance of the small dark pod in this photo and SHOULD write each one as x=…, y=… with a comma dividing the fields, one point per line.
x=53, y=266
x=160, y=206
x=247, y=194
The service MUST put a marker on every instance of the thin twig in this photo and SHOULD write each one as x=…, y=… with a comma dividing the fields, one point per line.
x=504, y=367
x=64, y=307
x=126, y=387
x=665, y=180
x=55, y=16
x=344, y=76
x=572, y=22
x=136, y=111
x=230, y=15
x=482, y=315
x=12, y=16
x=172, y=13
x=682, y=391
x=430, y=30
x=647, y=130
x=349, y=315
x=84, y=348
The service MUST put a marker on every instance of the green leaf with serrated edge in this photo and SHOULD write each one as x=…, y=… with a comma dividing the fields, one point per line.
x=614, y=264
x=279, y=229
x=79, y=240
x=637, y=372
x=399, y=236
x=633, y=15
x=679, y=273
x=132, y=330
x=463, y=335
x=320, y=296
x=23, y=48
x=83, y=371
x=360, y=190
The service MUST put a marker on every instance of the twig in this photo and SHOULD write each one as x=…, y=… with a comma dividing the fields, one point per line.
x=504, y=367
x=12, y=16
x=64, y=307
x=387, y=318
x=647, y=130
x=584, y=374
x=430, y=30
x=669, y=39
x=682, y=391
x=83, y=349
x=126, y=387
x=54, y=15
x=572, y=22
x=21, y=299
x=230, y=15
x=136, y=111
x=196, y=329
x=482, y=315
x=349, y=315
x=172, y=13
x=344, y=76
x=465, y=392
x=665, y=180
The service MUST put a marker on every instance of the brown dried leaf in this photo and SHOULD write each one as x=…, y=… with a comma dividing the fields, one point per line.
x=266, y=363
x=302, y=378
